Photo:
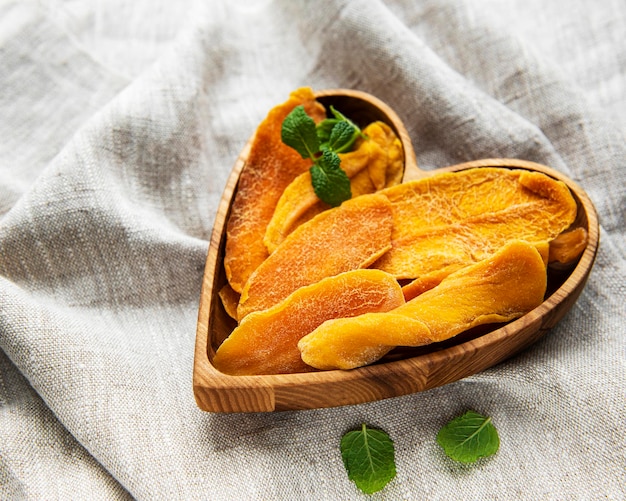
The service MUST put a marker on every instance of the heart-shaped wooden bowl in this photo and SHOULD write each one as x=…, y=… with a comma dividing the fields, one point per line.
x=403, y=371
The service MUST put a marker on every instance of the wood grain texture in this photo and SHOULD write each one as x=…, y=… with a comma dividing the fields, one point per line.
x=403, y=371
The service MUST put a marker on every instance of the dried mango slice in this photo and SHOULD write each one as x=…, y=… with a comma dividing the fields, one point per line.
x=498, y=289
x=230, y=300
x=386, y=167
x=456, y=219
x=375, y=163
x=265, y=342
x=344, y=238
x=432, y=279
x=568, y=246
x=428, y=281
x=270, y=167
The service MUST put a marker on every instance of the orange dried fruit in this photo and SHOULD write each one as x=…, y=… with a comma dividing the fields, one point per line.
x=568, y=246
x=387, y=168
x=270, y=167
x=505, y=286
x=434, y=278
x=344, y=238
x=229, y=299
x=375, y=163
x=265, y=342
x=428, y=280
x=456, y=219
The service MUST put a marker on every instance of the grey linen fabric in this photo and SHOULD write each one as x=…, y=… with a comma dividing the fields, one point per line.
x=119, y=124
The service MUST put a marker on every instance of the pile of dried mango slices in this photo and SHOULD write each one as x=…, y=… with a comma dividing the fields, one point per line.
x=314, y=287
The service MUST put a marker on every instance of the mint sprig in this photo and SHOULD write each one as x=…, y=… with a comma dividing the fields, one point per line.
x=322, y=143
x=329, y=180
x=368, y=455
x=341, y=138
x=299, y=132
x=469, y=437
x=338, y=134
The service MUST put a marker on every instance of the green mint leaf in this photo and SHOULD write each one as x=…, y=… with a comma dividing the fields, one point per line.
x=298, y=132
x=342, y=137
x=321, y=143
x=340, y=116
x=368, y=456
x=469, y=437
x=343, y=140
x=324, y=128
x=330, y=183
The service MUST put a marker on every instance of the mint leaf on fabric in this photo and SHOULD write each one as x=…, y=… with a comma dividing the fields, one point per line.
x=469, y=437
x=330, y=183
x=369, y=457
x=299, y=132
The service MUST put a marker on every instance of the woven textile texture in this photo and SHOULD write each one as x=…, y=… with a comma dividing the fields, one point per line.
x=119, y=124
